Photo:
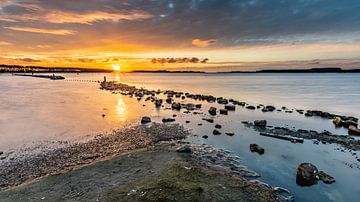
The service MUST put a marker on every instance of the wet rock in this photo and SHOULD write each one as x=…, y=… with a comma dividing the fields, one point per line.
x=212, y=111
x=257, y=148
x=260, y=123
x=216, y=132
x=168, y=100
x=268, y=108
x=158, y=103
x=326, y=178
x=145, y=120
x=166, y=120
x=230, y=107
x=1, y=153
x=205, y=136
x=199, y=124
x=250, y=107
x=338, y=122
x=208, y=120
x=224, y=111
x=218, y=126
x=306, y=174
x=176, y=106
x=229, y=133
x=184, y=149
x=353, y=130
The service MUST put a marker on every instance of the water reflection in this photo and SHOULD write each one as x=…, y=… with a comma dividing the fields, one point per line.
x=117, y=76
x=121, y=109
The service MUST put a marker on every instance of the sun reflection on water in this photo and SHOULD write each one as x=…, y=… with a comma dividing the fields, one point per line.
x=121, y=109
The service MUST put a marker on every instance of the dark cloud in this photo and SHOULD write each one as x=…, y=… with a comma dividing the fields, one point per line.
x=28, y=60
x=178, y=60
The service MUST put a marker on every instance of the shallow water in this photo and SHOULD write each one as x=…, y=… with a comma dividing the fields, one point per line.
x=35, y=110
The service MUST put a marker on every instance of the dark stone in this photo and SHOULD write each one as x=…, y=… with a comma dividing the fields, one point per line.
x=326, y=178
x=187, y=121
x=145, y=120
x=224, y=111
x=306, y=174
x=268, y=108
x=212, y=111
x=229, y=133
x=260, y=123
x=184, y=149
x=208, y=120
x=1, y=153
x=158, y=103
x=257, y=148
x=250, y=107
x=169, y=100
x=205, y=137
x=166, y=120
x=230, y=107
x=216, y=132
x=176, y=106
x=198, y=106
x=218, y=126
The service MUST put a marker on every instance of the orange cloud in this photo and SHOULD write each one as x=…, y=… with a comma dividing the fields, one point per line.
x=4, y=43
x=203, y=43
x=71, y=17
x=43, y=31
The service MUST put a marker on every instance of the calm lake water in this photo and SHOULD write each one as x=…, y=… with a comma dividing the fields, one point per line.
x=34, y=110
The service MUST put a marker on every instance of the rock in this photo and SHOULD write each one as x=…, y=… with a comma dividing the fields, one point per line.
x=198, y=106
x=268, y=108
x=250, y=107
x=184, y=149
x=187, y=121
x=145, y=120
x=224, y=111
x=260, y=123
x=306, y=174
x=353, y=130
x=166, y=120
x=218, y=126
x=168, y=100
x=176, y=106
x=216, y=132
x=349, y=123
x=208, y=120
x=326, y=178
x=1, y=153
x=338, y=122
x=199, y=124
x=212, y=111
x=205, y=137
x=158, y=103
x=257, y=148
x=229, y=133
x=230, y=107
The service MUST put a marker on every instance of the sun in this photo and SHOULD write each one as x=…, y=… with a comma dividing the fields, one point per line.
x=116, y=68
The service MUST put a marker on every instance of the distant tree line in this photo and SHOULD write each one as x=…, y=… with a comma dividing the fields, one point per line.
x=38, y=69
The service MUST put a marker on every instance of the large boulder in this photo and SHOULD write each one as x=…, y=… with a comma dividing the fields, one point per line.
x=212, y=111
x=307, y=174
x=145, y=120
x=353, y=130
x=260, y=123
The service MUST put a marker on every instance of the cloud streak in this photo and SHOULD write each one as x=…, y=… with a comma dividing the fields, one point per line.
x=203, y=43
x=43, y=31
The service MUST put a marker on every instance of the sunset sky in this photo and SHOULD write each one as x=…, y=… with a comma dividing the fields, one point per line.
x=232, y=35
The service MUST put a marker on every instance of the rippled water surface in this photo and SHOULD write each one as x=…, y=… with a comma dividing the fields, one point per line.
x=33, y=110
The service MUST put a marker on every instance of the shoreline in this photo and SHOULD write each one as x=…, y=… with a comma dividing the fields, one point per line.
x=159, y=140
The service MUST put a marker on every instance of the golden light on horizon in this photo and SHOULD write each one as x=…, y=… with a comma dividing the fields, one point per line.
x=116, y=68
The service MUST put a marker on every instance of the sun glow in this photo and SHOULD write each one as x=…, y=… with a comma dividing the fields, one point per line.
x=116, y=68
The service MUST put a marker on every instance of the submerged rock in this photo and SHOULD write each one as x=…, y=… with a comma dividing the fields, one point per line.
x=145, y=120
x=260, y=123
x=250, y=107
x=326, y=178
x=166, y=120
x=229, y=133
x=212, y=111
x=257, y=148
